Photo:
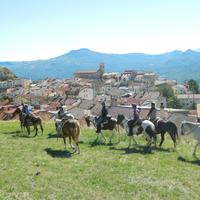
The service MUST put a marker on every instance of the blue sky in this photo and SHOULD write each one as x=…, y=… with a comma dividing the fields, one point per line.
x=41, y=29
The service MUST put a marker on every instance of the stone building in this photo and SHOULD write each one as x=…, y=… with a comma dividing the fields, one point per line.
x=91, y=74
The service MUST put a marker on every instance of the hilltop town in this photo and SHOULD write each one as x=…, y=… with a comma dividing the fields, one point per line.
x=83, y=93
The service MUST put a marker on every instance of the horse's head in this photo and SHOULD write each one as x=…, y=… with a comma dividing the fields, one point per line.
x=185, y=127
x=87, y=119
x=120, y=118
x=18, y=110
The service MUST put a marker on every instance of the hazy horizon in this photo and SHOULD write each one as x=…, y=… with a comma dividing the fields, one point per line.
x=97, y=52
x=35, y=30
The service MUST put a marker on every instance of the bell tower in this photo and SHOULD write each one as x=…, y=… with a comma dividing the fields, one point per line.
x=101, y=70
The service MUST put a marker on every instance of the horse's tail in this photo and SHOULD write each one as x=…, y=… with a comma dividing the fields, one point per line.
x=175, y=130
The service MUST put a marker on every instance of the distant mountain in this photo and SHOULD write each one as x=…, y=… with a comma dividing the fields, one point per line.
x=174, y=65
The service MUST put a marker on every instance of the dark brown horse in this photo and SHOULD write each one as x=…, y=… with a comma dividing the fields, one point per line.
x=163, y=127
x=31, y=121
x=111, y=124
x=70, y=128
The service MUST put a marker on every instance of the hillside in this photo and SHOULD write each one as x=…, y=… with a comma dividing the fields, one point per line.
x=6, y=74
x=185, y=64
x=40, y=168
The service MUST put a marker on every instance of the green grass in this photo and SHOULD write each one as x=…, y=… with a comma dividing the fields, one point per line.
x=40, y=168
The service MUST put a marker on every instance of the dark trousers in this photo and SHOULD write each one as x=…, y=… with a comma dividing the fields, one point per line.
x=131, y=125
x=100, y=120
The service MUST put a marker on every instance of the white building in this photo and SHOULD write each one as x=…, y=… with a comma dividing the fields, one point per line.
x=86, y=93
x=188, y=100
x=180, y=89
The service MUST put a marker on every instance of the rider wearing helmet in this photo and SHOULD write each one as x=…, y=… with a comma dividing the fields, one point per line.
x=135, y=118
x=152, y=112
x=102, y=118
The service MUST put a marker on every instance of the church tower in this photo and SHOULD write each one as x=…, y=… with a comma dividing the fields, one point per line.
x=101, y=70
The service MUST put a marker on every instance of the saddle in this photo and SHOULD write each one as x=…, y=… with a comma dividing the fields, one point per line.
x=132, y=122
x=30, y=119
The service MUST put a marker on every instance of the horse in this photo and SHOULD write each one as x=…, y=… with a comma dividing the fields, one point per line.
x=111, y=124
x=191, y=128
x=146, y=127
x=70, y=128
x=59, y=122
x=163, y=127
x=31, y=121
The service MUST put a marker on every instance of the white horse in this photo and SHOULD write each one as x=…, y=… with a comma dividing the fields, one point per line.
x=146, y=127
x=123, y=122
x=191, y=128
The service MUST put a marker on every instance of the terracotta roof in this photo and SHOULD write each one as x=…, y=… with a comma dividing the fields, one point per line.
x=131, y=100
x=11, y=111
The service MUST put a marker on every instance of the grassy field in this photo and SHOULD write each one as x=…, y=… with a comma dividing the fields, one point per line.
x=40, y=168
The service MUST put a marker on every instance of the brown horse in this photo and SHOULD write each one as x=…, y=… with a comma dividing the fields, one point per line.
x=111, y=124
x=31, y=121
x=70, y=128
x=163, y=127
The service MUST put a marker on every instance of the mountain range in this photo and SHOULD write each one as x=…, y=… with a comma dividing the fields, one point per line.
x=176, y=65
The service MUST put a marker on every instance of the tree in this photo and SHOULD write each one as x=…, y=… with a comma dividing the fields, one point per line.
x=168, y=93
x=173, y=102
x=193, y=86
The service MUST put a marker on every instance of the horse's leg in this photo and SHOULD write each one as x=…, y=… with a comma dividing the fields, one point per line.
x=162, y=139
x=135, y=142
x=103, y=136
x=64, y=142
x=154, y=139
x=36, y=129
x=173, y=137
x=70, y=142
x=21, y=125
x=149, y=141
x=77, y=145
x=130, y=138
x=75, y=139
x=148, y=138
x=111, y=137
x=28, y=129
x=41, y=127
x=195, y=148
x=117, y=130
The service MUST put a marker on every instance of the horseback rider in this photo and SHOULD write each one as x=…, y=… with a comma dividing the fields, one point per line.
x=27, y=112
x=102, y=117
x=162, y=111
x=135, y=118
x=24, y=108
x=152, y=115
x=61, y=112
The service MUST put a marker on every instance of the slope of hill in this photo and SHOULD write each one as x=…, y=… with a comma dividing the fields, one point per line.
x=185, y=64
x=6, y=74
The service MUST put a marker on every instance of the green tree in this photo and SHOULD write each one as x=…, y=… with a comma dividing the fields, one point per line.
x=193, y=86
x=173, y=102
x=168, y=93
